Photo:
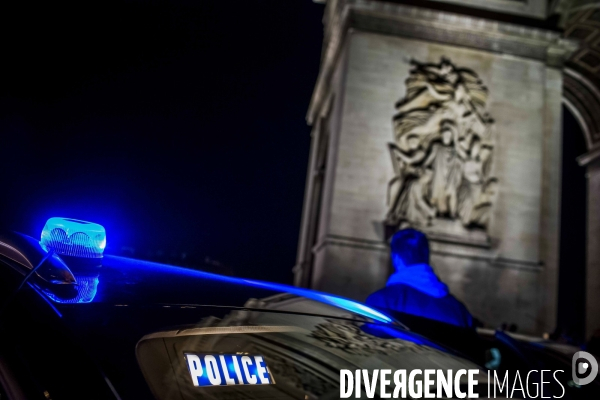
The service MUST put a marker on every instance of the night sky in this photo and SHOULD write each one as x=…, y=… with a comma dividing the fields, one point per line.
x=179, y=126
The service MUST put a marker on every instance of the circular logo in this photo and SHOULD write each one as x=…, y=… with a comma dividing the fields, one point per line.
x=584, y=368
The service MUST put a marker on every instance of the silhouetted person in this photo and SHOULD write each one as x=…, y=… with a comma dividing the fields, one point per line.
x=414, y=288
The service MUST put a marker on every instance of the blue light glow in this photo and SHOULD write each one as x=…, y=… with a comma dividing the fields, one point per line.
x=87, y=287
x=72, y=237
x=339, y=302
x=414, y=288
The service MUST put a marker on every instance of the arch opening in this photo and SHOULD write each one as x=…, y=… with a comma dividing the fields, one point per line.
x=571, y=308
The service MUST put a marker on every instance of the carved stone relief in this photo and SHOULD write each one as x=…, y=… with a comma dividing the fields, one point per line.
x=442, y=150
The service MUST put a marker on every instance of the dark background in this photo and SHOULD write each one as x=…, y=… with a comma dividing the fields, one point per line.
x=179, y=126
x=573, y=236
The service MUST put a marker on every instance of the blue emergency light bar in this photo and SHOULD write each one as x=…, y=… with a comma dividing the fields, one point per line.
x=75, y=238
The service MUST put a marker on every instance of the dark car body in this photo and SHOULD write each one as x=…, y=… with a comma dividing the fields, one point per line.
x=121, y=330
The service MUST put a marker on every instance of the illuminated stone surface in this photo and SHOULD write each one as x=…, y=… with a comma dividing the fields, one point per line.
x=504, y=270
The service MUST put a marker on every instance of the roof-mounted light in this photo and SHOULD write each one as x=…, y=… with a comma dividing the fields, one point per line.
x=84, y=291
x=75, y=238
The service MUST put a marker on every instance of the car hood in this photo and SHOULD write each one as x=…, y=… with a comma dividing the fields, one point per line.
x=124, y=281
x=136, y=320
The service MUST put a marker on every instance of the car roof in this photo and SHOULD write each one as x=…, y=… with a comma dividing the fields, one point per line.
x=128, y=281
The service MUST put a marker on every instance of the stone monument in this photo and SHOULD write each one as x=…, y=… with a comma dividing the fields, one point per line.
x=444, y=116
x=442, y=152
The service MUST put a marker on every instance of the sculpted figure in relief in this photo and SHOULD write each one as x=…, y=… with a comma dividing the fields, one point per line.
x=442, y=149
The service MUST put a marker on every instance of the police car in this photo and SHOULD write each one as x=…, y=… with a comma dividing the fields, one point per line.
x=78, y=324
